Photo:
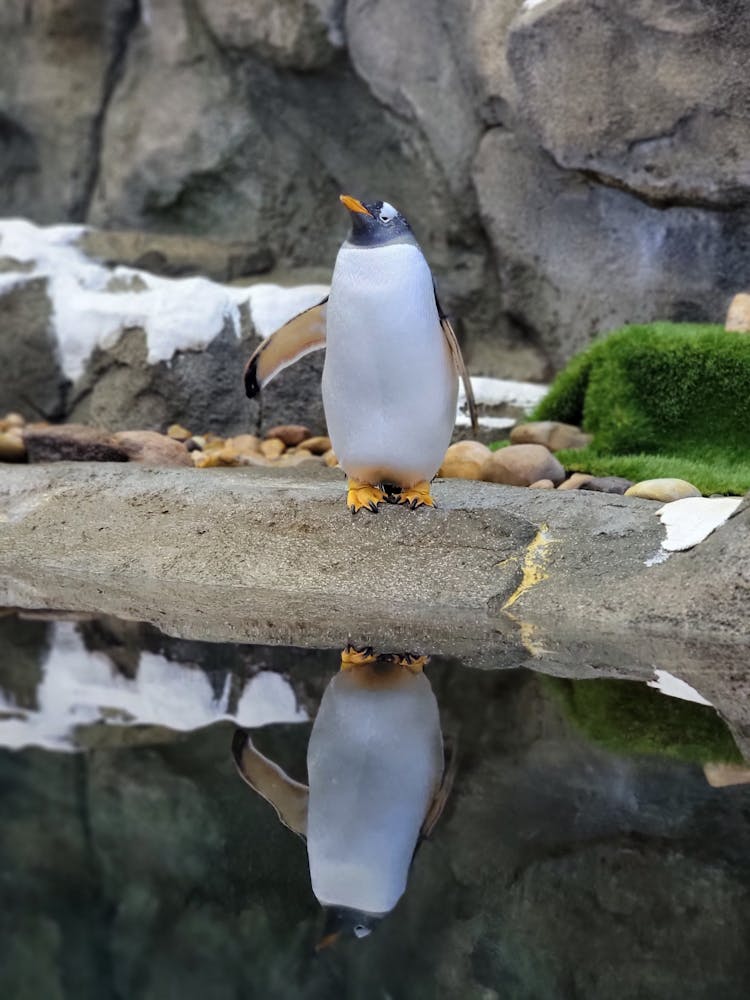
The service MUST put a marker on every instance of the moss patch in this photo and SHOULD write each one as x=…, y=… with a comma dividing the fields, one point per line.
x=665, y=399
x=628, y=717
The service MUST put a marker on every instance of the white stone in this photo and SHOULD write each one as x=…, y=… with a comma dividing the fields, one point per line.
x=692, y=519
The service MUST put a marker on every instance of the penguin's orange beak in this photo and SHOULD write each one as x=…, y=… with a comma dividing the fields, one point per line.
x=353, y=205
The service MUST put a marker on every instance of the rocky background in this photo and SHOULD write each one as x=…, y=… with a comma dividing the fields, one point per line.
x=568, y=165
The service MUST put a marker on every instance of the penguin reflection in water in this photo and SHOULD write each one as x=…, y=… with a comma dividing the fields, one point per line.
x=377, y=786
x=390, y=379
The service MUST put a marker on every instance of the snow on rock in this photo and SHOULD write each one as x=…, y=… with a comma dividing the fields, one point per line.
x=80, y=687
x=490, y=392
x=692, y=519
x=92, y=304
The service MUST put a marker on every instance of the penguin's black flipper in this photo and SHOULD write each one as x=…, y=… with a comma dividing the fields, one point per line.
x=300, y=336
x=458, y=361
x=287, y=796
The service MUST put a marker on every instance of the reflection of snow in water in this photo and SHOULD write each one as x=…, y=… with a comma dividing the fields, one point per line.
x=675, y=688
x=80, y=687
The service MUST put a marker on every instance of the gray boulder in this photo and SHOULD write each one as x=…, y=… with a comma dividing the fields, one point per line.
x=650, y=97
x=575, y=257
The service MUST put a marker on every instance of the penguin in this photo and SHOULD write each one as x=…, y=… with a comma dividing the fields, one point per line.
x=390, y=378
x=378, y=784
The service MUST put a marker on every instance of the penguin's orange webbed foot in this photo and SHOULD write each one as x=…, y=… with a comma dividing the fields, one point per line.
x=353, y=657
x=412, y=662
x=363, y=496
x=417, y=496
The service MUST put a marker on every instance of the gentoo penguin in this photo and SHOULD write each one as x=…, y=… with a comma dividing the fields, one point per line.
x=377, y=785
x=390, y=379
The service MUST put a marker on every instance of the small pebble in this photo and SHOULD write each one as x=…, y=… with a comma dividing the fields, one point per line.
x=178, y=432
x=150, y=448
x=542, y=484
x=608, y=484
x=464, y=460
x=317, y=445
x=576, y=481
x=521, y=465
x=330, y=459
x=551, y=433
x=12, y=447
x=272, y=447
x=738, y=316
x=290, y=434
x=663, y=489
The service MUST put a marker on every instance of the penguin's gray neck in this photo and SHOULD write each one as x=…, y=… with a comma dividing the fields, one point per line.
x=405, y=240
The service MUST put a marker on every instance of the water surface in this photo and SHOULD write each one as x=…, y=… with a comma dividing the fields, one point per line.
x=582, y=851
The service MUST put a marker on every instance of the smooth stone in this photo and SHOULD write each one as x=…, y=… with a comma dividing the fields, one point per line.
x=11, y=421
x=576, y=481
x=272, y=447
x=542, y=484
x=522, y=465
x=242, y=444
x=738, y=314
x=663, y=489
x=317, y=445
x=290, y=434
x=464, y=460
x=150, y=448
x=72, y=443
x=607, y=484
x=178, y=432
x=12, y=448
x=551, y=433
x=330, y=459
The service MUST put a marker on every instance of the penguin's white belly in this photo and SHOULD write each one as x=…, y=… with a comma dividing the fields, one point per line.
x=374, y=761
x=389, y=382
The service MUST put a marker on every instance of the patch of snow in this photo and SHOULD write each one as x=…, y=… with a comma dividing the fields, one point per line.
x=660, y=556
x=80, y=687
x=270, y=310
x=496, y=392
x=670, y=685
x=531, y=4
x=177, y=314
x=692, y=519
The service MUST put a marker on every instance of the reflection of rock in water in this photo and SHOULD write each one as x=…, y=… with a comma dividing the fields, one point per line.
x=559, y=870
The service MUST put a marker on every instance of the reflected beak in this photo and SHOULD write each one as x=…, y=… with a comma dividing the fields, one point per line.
x=327, y=941
x=353, y=205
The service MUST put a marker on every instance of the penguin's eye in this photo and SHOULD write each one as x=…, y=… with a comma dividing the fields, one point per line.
x=360, y=930
x=387, y=212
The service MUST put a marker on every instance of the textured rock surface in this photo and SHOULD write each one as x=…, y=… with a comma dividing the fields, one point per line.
x=567, y=167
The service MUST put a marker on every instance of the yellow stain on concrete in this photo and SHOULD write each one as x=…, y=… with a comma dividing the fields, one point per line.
x=534, y=565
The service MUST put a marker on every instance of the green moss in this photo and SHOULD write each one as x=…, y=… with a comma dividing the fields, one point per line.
x=497, y=445
x=628, y=717
x=714, y=474
x=666, y=399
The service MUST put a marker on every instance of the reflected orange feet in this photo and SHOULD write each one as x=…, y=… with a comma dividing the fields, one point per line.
x=363, y=496
x=417, y=496
x=351, y=657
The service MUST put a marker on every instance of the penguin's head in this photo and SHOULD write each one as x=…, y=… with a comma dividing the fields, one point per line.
x=341, y=921
x=375, y=224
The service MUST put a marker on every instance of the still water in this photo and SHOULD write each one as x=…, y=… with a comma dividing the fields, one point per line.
x=194, y=820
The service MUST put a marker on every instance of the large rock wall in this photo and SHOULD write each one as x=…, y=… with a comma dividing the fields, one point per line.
x=568, y=165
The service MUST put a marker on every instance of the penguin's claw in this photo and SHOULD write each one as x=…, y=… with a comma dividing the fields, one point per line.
x=412, y=662
x=352, y=657
x=417, y=496
x=363, y=496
